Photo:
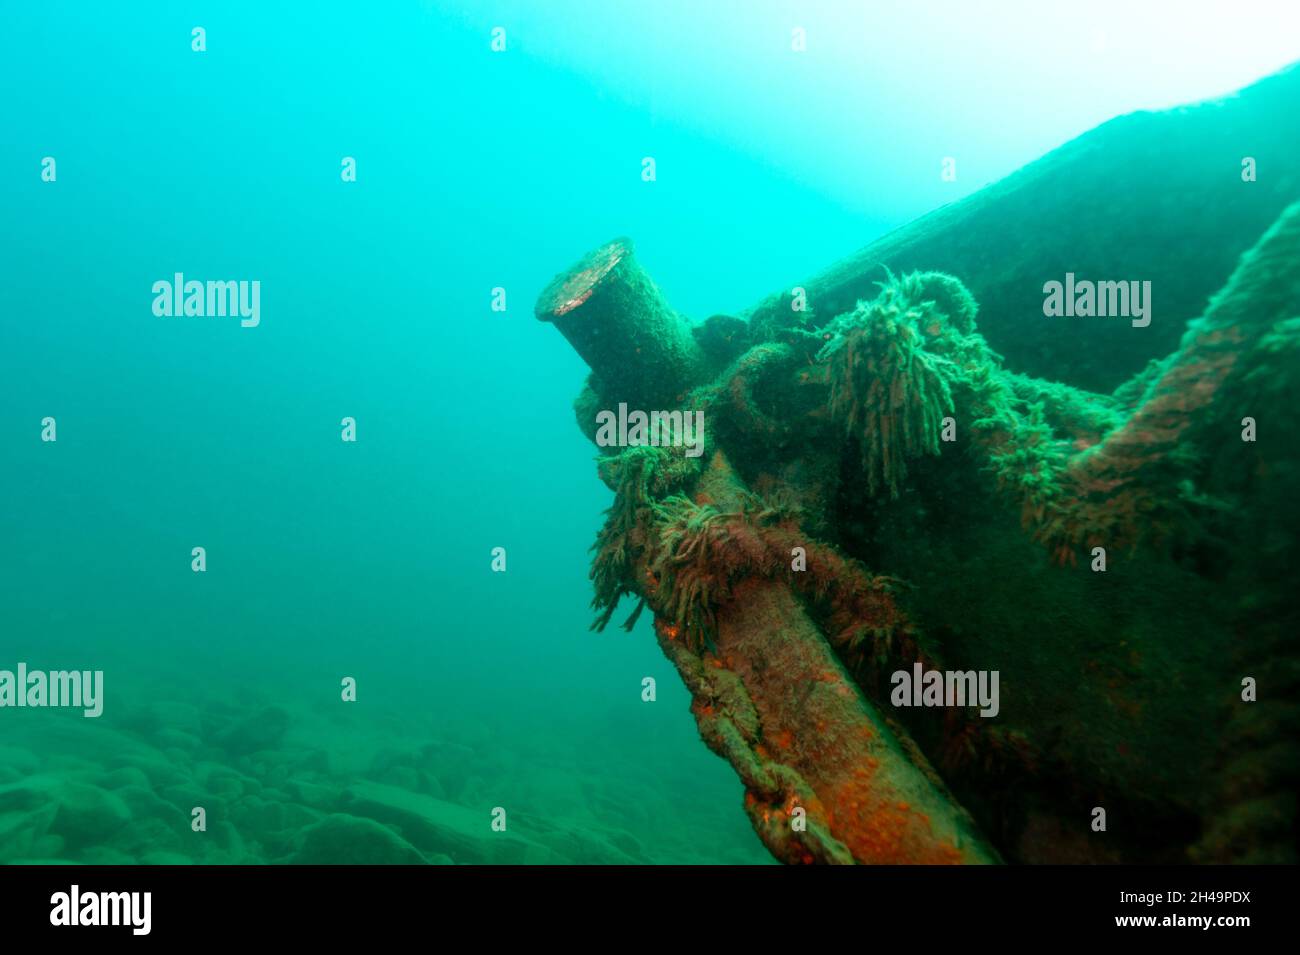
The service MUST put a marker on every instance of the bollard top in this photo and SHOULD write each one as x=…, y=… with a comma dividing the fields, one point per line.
x=573, y=287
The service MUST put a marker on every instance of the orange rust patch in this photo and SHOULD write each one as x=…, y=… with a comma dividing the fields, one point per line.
x=877, y=831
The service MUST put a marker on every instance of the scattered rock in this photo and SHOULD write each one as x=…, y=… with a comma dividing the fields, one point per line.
x=341, y=839
x=435, y=825
x=263, y=729
x=85, y=814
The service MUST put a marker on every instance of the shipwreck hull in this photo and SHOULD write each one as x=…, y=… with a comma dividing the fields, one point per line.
x=879, y=489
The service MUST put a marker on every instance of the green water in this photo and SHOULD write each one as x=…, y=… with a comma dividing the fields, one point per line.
x=370, y=560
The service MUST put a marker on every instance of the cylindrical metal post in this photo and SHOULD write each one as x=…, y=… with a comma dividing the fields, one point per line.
x=639, y=349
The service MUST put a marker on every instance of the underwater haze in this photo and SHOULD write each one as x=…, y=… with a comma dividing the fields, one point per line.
x=403, y=300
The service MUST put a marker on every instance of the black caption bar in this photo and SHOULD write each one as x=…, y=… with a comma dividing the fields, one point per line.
x=177, y=904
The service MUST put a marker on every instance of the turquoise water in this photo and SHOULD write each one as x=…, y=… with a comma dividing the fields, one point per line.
x=369, y=560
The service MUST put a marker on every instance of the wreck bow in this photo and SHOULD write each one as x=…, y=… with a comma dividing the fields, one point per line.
x=827, y=777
